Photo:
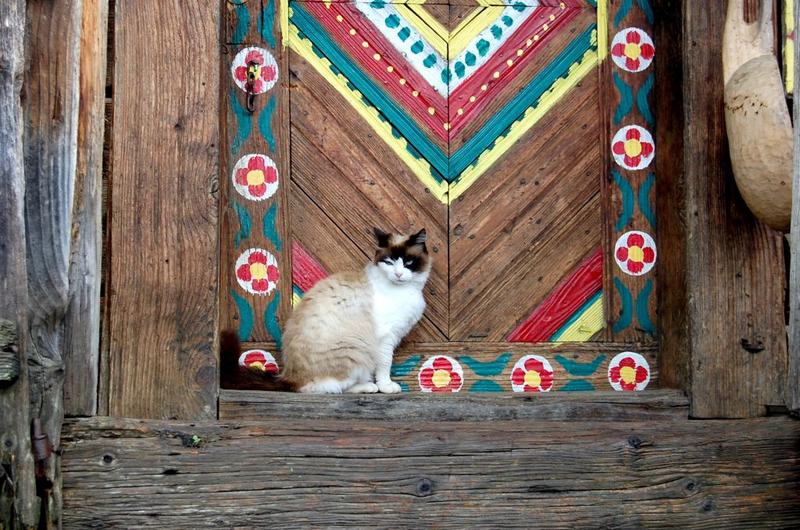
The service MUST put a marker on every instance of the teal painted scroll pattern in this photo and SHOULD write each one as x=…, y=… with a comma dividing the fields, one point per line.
x=486, y=369
x=404, y=369
x=242, y=23
x=625, y=99
x=271, y=319
x=245, y=224
x=580, y=369
x=625, y=189
x=244, y=122
x=648, y=10
x=265, y=122
x=246, y=319
x=485, y=385
x=577, y=385
x=645, y=206
x=643, y=99
x=624, y=8
x=626, y=313
x=643, y=310
x=266, y=24
x=270, y=227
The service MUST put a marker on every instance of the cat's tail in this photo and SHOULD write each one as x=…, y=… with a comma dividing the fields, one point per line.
x=235, y=376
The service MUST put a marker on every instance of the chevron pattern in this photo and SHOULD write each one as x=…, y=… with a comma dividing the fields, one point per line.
x=431, y=92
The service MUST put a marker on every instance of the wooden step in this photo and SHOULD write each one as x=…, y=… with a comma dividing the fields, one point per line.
x=562, y=406
x=500, y=474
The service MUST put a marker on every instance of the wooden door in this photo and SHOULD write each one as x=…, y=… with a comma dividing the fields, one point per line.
x=517, y=132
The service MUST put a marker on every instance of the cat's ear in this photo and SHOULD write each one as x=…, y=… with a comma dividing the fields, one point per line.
x=381, y=237
x=419, y=238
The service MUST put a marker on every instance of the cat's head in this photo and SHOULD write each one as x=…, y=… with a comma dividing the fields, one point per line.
x=402, y=258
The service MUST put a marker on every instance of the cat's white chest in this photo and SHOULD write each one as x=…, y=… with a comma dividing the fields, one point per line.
x=396, y=310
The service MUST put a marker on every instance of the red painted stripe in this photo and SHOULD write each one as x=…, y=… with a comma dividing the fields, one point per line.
x=306, y=271
x=403, y=94
x=459, y=98
x=562, y=302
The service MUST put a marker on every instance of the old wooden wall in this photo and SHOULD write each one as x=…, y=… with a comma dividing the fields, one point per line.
x=793, y=387
x=163, y=219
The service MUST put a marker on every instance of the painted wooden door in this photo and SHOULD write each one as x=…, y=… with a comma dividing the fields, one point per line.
x=517, y=132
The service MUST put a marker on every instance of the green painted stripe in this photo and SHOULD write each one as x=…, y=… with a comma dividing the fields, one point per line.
x=489, y=368
x=405, y=368
x=266, y=28
x=485, y=385
x=625, y=99
x=622, y=12
x=271, y=319
x=269, y=226
x=577, y=385
x=580, y=369
x=576, y=315
x=245, y=224
x=500, y=122
x=626, y=315
x=311, y=29
x=644, y=200
x=643, y=309
x=626, y=190
x=246, y=319
x=242, y=23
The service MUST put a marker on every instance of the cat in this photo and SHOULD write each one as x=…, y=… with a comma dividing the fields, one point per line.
x=341, y=337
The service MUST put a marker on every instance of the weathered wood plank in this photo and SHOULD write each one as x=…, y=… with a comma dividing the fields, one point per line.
x=18, y=501
x=82, y=340
x=793, y=381
x=687, y=474
x=51, y=100
x=672, y=293
x=660, y=405
x=735, y=265
x=163, y=271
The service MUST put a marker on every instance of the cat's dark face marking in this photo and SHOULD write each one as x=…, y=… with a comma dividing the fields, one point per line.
x=402, y=257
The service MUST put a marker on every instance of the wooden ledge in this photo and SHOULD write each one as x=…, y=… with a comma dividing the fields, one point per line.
x=560, y=406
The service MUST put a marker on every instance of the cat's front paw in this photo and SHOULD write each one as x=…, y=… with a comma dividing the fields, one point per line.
x=389, y=387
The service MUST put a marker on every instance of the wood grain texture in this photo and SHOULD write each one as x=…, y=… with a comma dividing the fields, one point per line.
x=658, y=405
x=50, y=98
x=793, y=378
x=265, y=132
x=18, y=501
x=735, y=265
x=330, y=473
x=82, y=340
x=163, y=275
x=350, y=176
x=672, y=294
x=527, y=224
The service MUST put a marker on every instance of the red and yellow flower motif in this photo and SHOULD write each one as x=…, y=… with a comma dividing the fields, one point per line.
x=259, y=360
x=441, y=374
x=635, y=253
x=257, y=271
x=633, y=147
x=532, y=373
x=255, y=177
x=632, y=50
x=628, y=371
x=254, y=70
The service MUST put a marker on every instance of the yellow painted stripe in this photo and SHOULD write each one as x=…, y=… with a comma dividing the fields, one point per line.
x=420, y=167
x=470, y=27
x=431, y=30
x=296, y=299
x=559, y=89
x=602, y=33
x=285, y=13
x=587, y=325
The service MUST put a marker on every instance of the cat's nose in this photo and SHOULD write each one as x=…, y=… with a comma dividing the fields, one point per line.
x=398, y=273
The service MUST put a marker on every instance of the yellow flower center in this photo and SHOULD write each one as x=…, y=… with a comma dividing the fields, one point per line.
x=633, y=50
x=533, y=379
x=258, y=271
x=255, y=177
x=441, y=378
x=628, y=374
x=254, y=72
x=636, y=254
x=258, y=365
x=633, y=148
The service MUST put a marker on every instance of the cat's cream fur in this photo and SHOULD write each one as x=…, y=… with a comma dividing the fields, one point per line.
x=342, y=335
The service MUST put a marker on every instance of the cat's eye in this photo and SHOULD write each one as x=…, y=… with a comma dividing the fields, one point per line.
x=386, y=261
x=408, y=262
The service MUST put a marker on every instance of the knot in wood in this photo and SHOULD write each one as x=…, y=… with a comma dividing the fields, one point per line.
x=634, y=441
x=9, y=363
x=424, y=487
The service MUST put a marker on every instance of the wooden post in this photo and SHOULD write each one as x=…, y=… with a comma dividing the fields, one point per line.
x=81, y=352
x=18, y=506
x=735, y=265
x=51, y=101
x=793, y=383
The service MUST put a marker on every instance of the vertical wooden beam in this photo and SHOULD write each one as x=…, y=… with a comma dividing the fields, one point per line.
x=673, y=339
x=163, y=271
x=18, y=506
x=81, y=354
x=735, y=265
x=51, y=99
x=793, y=382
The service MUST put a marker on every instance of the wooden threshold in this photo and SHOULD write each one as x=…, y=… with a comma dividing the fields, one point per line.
x=562, y=406
x=503, y=474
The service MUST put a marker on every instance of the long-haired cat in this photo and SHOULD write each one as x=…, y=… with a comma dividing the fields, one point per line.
x=342, y=335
